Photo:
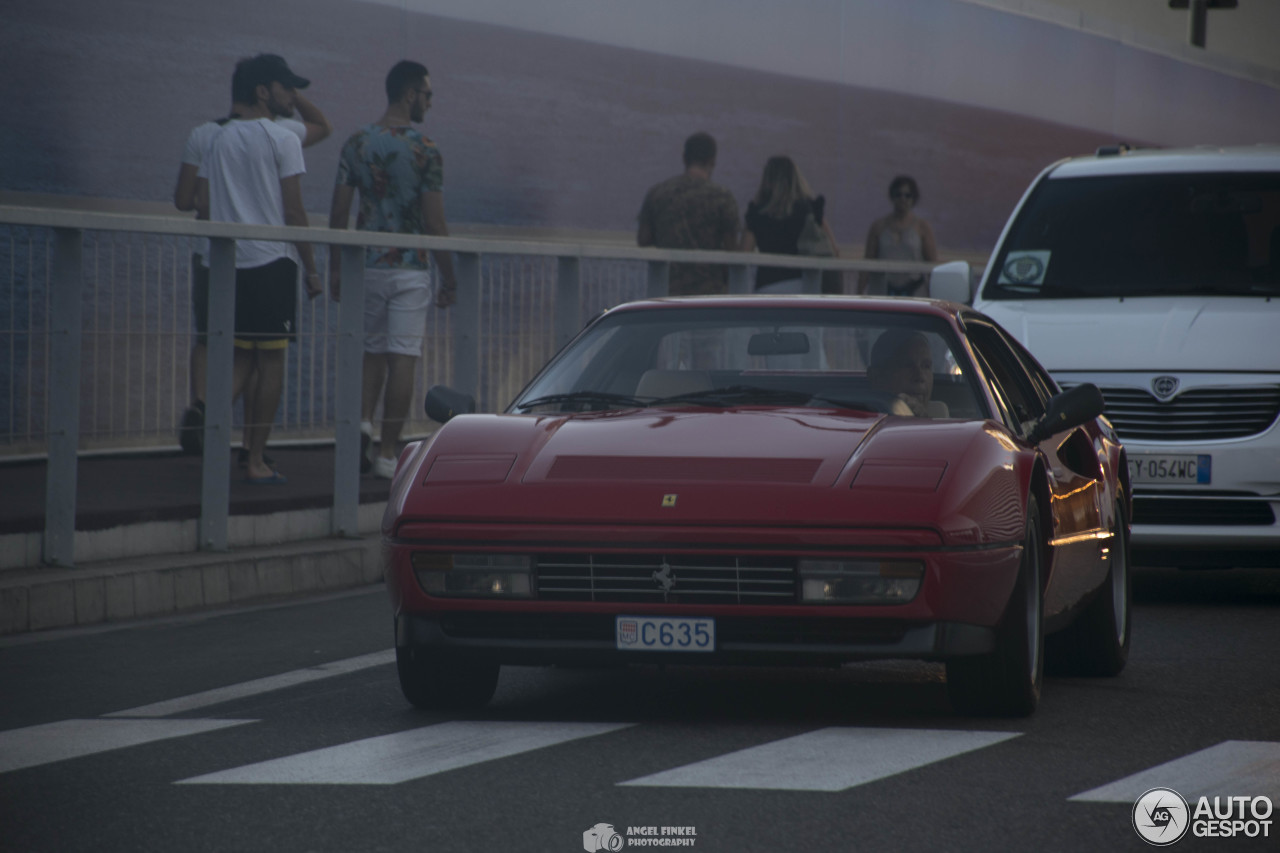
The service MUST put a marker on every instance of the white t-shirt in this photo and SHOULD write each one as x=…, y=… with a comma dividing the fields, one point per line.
x=244, y=163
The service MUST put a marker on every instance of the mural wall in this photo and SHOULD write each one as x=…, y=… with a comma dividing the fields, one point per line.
x=561, y=113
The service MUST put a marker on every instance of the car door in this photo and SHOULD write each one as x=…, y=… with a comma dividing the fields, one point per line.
x=1076, y=474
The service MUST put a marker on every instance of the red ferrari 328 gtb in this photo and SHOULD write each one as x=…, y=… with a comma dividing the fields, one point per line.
x=768, y=480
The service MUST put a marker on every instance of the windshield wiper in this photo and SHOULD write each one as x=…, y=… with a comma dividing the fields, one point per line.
x=582, y=397
x=733, y=394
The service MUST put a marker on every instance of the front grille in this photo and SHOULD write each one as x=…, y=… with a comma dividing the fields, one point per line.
x=1201, y=414
x=675, y=579
x=1190, y=511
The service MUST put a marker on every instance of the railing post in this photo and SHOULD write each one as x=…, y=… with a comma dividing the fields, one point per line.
x=466, y=326
x=659, y=283
x=568, y=314
x=215, y=486
x=812, y=281
x=347, y=394
x=58, y=547
x=739, y=278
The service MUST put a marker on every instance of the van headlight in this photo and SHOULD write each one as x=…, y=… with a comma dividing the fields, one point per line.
x=859, y=581
x=474, y=575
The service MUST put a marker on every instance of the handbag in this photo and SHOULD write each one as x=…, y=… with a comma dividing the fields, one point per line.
x=813, y=239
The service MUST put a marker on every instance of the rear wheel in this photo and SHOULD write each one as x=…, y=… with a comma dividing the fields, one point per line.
x=1007, y=681
x=433, y=681
x=1097, y=643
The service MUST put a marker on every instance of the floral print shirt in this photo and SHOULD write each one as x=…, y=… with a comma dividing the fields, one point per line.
x=391, y=167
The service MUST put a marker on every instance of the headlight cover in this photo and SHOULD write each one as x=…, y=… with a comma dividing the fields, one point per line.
x=842, y=581
x=474, y=575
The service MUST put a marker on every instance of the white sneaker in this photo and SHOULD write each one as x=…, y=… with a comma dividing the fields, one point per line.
x=384, y=467
x=367, y=454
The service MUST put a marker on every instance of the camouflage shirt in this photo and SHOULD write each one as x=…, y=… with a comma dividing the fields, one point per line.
x=692, y=213
x=391, y=168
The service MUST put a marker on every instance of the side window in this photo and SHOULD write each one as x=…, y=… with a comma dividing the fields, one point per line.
x=1044, y=385
x=1009, y=374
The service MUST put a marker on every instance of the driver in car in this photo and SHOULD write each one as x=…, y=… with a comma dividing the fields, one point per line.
x=902, y=366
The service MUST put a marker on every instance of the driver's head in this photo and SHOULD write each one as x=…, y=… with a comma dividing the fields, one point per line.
x=902, y=363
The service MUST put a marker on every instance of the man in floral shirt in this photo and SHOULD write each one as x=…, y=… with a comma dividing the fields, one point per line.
x=690, y=212
x=400, y=177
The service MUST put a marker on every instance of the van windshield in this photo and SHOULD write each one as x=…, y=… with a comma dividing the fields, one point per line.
x=1143, y=235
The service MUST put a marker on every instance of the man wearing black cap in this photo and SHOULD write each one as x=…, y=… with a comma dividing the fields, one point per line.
x=312, y=127
x=251, y=173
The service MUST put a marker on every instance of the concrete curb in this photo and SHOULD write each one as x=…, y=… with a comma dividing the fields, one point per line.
x=158, y=585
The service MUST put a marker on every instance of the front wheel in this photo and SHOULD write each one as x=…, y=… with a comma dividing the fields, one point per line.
x=1097, y=642
x=432, y=681
x=1006, y=681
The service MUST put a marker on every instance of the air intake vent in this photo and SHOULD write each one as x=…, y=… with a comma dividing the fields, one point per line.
x=676, y=579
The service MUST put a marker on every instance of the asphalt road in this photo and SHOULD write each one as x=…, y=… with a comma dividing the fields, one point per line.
x=283, y=729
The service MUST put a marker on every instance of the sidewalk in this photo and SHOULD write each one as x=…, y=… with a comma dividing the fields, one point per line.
x=137, y=521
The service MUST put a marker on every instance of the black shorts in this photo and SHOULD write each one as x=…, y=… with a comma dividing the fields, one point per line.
x=267, y=304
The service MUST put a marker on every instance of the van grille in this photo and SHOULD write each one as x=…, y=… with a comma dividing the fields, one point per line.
x=1201, y=414
x=676, y=579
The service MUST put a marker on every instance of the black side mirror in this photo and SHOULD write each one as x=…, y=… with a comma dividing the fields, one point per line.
x=1069, y=409
x=442, y=403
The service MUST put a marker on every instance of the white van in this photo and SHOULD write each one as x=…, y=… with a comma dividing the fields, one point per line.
x=1155, y=274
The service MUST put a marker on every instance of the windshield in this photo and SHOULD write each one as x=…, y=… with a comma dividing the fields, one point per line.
x=724, y=357
x=1143, y=235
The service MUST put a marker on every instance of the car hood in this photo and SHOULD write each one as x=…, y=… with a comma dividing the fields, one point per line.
x=1200, y=333
x=652, y=466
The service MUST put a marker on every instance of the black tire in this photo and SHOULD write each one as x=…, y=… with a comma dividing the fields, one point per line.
x=434, y=682
x=1006, y=682
x=1097, y=642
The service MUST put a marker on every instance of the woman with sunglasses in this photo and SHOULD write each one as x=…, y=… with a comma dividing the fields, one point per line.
x=900, y=236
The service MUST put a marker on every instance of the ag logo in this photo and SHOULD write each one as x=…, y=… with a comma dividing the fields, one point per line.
x=1161, y=817
x=1165, y=386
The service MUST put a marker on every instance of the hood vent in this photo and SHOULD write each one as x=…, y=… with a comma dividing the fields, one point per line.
x=686, y=469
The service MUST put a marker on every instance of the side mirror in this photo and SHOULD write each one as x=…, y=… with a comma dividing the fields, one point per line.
x=1069, y=409
x=442, y=403
x=950, y=281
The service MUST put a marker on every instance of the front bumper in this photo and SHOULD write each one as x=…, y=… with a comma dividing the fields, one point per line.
x=537, y=639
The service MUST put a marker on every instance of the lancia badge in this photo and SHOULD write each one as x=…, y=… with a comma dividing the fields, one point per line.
x=1165, y=386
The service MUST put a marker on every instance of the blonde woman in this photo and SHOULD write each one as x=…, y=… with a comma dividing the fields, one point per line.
x=776, y=217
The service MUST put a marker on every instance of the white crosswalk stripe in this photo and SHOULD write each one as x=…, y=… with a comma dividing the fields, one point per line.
x=1232, y=768
x=390, y=759
x=832, y=759
x=36, y=745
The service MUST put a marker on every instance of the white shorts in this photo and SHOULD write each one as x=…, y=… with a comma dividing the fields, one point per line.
x=395, y=310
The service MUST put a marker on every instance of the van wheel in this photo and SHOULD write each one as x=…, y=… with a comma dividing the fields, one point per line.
x=1097, y=642
x=1006, y=682
x=432, y=681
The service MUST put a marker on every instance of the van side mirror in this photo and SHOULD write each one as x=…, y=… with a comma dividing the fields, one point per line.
x=950, y=281
x=442, y=403
x=1069, y=409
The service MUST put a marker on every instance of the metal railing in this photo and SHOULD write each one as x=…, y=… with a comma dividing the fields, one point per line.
x=95, y=337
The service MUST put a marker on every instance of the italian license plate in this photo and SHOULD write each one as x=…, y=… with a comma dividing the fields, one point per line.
x=1173, y=468
x=665, y=634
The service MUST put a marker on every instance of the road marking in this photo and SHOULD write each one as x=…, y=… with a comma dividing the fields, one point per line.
x=390, y=759
x=44, y=744
x=1232, y=768
x=217, y=696
x=831, y=759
